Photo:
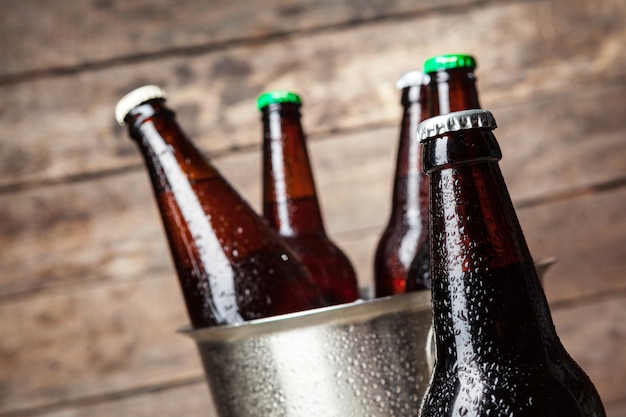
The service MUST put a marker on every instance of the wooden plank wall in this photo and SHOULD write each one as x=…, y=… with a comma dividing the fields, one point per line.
x=89, y=303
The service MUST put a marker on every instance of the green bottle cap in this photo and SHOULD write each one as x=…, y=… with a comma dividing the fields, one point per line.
x=449, y=61
x=278, y=96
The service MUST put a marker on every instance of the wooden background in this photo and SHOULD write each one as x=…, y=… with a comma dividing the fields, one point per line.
x=89, y=302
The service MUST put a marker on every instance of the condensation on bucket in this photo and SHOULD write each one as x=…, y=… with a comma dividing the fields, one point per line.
x=360, y=359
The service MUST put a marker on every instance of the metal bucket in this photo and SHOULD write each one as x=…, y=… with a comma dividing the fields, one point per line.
x=360, y=359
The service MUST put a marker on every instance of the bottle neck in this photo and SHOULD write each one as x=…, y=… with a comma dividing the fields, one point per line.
x=487, y=300
x=194, y=202
x=453, y=90
x=231, y=266
x=410, y=189
x=190, y=191
x=290, y=201
x=146, y=121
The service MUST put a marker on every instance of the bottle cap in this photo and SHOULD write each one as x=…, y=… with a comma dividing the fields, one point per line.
x=449, y=61
x=278, y=96
x=134, y=99
x=412, y=79
x=453, y=122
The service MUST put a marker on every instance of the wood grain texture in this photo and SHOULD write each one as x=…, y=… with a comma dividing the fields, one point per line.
x=108, y=228
x=587, y=235
x=189, y=400
x=193, y=400
x=91, y=341
x=89, y=302
x=345, y=76
x=102, y=32
x=119, y=335
x=603, y=337
x=134, y=350
x=616, y=409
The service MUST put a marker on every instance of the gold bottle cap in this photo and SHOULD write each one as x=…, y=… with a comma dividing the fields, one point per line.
x=453, y=122
x=135, y=98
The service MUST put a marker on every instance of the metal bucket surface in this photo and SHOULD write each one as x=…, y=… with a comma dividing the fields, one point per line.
x=360, y=359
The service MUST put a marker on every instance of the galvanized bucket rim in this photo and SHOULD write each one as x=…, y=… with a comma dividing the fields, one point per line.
x=356, y=311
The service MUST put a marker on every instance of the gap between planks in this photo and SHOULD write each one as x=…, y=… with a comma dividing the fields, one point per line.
x=107, y=397
x=195, y=50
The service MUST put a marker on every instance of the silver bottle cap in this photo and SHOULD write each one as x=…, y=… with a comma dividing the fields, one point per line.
x=453, y=122
x=412, y=79
x=135, y=98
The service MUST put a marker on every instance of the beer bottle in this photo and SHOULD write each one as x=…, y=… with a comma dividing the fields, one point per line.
x=406, y=232
x=497, y=351
x=290, y=203
x=231, y=266
x=452, y=84
x=452, y=87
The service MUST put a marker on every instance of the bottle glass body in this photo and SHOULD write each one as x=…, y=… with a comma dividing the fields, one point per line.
x=231, y=266
x=497, y=352
x=291, y=205
x=406, y=233
x=449, y=90
x=452, y=90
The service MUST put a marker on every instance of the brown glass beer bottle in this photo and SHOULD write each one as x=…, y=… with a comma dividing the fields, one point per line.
x=497, y=351
x=231, y=266
x=452, y=87
x=406, y=233
x=290, y=203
